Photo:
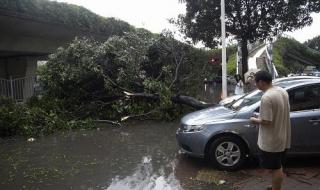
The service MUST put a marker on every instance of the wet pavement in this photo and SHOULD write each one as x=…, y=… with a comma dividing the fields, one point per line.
x=140, y=156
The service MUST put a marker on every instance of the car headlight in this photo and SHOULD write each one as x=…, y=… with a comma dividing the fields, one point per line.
x=192, y=128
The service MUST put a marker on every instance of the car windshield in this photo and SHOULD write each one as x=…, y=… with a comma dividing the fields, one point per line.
x=247, y=100
x=255, y=96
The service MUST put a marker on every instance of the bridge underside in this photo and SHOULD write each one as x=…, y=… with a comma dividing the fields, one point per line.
x=24, y=42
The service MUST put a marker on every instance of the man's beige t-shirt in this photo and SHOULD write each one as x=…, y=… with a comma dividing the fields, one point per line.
x=275, y=107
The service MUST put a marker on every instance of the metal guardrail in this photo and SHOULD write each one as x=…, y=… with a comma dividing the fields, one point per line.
x=19, y=89
x=252, y=47
x=271, y=67
x=5, y=88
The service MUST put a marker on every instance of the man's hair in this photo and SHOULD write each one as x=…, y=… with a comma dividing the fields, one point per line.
x=263, y=76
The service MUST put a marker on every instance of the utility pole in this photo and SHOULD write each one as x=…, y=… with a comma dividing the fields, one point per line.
x=224, y=51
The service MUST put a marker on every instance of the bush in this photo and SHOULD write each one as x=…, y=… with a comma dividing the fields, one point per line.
x=37, y=117
x=10, y=117
x=291, y=56
x=232, y=65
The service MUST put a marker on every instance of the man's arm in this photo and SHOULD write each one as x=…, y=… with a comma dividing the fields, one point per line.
x=260, y=121
x=266, y=113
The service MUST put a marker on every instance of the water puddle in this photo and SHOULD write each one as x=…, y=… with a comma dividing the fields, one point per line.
x=140, y=156
x=145, y=177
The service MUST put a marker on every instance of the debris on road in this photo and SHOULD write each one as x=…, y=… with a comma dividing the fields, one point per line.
x=221, y=182
x=31, y=139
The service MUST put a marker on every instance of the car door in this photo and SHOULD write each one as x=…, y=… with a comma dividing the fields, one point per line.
x=305, y=119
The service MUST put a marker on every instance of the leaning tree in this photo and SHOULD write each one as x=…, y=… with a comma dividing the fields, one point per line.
x=246, y=20
x=314, y=43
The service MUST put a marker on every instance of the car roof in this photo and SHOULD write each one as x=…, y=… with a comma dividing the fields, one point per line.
x=295, y=78
x=293, y=83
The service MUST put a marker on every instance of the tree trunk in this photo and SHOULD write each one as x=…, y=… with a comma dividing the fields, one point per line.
x=190, y=101
x=245, y=54
x=179, y=99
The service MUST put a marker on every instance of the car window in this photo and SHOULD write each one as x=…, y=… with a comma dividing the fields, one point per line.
x=305, y=98
x=248, y=100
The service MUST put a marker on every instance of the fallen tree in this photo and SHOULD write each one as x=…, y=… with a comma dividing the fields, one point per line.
x=136, y=75
x=178, y=99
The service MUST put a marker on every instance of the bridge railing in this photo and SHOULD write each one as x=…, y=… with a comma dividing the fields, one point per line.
x=254, y=46
x=19, y=89
x=5, y=88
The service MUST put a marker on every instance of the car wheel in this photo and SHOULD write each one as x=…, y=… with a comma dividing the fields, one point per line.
x=227, y=153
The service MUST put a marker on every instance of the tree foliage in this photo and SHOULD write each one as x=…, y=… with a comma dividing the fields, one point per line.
x=36, y=117
x=290, y=56
x=246, y=20
x=135, y=74
x=314, y=43
x=70, y=15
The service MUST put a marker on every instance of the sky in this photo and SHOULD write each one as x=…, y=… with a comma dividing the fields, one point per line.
x=154, y=14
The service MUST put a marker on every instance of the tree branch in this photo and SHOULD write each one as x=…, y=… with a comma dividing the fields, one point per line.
x=179, y=99
x=139, y=115
x=108, y=121
x=190, y=101
x=176, y=72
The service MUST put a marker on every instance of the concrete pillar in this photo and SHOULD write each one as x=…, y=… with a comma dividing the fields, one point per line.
x=20, y=72
x=262, y=64
x=3, y=81
x=30, y=75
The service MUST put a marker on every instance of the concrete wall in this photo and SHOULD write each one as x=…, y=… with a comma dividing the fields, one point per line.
x=16, y=67
x=31, y=66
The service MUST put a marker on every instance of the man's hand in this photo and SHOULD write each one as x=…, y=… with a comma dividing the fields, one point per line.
x=259, y=121
x=255, y=120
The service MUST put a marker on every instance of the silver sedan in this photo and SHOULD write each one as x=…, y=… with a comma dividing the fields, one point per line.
x=225, y=136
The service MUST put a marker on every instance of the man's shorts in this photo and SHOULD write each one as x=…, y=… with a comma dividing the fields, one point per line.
x=272, y=160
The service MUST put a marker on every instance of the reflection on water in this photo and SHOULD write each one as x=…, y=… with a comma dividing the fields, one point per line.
x=146, y=178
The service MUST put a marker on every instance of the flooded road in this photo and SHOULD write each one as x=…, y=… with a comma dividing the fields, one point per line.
x=140, y=156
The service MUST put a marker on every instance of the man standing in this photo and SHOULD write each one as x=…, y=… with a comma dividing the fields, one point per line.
x=275, y=130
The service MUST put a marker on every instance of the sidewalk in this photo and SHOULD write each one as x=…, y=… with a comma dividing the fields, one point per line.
x=296, y=179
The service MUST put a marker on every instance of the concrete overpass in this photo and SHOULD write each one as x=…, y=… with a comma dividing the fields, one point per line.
x=24, y=41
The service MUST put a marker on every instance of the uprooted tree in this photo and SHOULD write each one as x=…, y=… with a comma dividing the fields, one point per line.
x=246, y=20
x=137, y=74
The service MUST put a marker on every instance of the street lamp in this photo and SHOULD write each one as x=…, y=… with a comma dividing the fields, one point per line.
x=224, y=51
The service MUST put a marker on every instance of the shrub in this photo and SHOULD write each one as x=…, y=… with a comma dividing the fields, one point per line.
x=10, y=117
x=37, y=117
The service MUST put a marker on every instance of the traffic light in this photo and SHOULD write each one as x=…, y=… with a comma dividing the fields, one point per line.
x=214, y=61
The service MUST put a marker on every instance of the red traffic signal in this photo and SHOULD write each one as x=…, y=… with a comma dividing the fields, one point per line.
x=214, y=61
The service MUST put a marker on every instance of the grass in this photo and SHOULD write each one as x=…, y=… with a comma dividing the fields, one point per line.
x=232, y=64
x=290, y=55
